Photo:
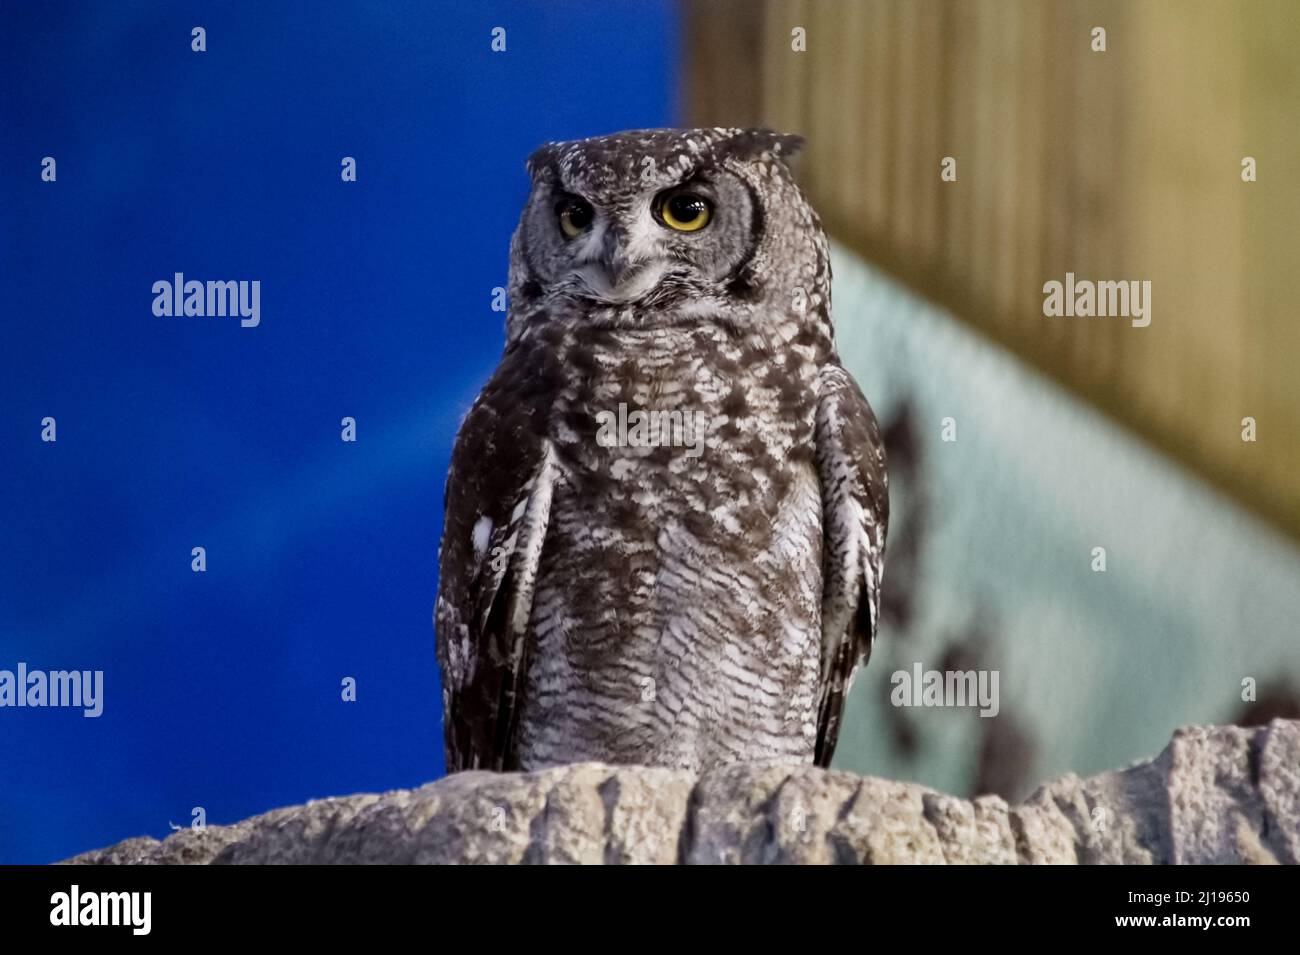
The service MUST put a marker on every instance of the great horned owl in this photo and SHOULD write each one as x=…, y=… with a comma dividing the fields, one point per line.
x=686, y=594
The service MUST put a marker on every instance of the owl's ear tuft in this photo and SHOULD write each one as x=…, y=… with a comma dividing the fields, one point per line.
x=750, y=144
x=542, y=162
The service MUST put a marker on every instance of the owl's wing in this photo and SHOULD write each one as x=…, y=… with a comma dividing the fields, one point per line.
x=855, y=514
x=498, y=501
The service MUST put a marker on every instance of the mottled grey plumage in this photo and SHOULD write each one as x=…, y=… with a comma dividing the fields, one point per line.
x=637, y=604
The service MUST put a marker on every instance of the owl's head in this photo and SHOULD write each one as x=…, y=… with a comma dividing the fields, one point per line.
x=669, y=226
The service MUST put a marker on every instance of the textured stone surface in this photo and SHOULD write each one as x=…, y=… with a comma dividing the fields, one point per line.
x=1220, y=794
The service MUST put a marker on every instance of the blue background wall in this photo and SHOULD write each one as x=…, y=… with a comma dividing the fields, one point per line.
x=222, y=689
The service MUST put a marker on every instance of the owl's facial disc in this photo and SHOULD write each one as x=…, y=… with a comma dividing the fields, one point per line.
x=621, y=241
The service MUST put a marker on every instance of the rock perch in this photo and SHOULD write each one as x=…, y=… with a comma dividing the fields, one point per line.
x=1215, y=795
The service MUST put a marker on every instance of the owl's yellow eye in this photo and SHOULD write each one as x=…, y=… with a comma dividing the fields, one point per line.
x=576, y=216
x=685, y=211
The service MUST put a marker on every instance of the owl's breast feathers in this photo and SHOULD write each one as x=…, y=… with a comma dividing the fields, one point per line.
x=778, y=420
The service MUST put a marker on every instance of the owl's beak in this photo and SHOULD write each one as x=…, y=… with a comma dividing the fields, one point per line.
x=614, y=276
x=613, y=260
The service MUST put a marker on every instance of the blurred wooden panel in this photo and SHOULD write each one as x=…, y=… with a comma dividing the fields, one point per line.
x=1122, y=165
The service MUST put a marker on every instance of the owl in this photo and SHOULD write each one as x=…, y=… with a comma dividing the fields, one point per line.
x=666, y=510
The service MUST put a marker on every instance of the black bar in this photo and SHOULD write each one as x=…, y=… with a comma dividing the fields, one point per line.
x=208, y=903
